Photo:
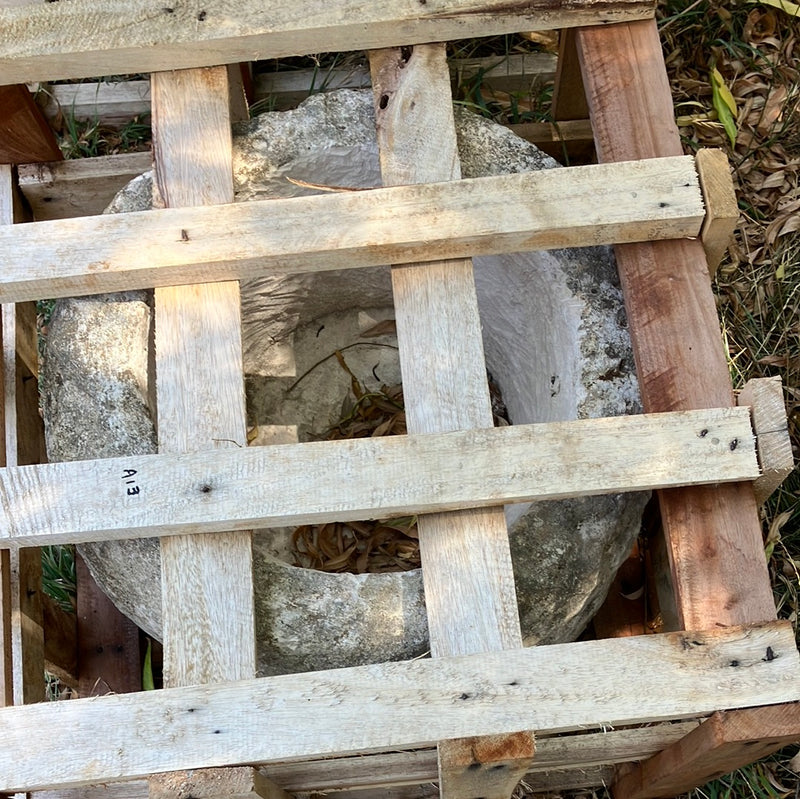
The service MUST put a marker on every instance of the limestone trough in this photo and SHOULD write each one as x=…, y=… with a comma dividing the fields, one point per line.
x=555, y=341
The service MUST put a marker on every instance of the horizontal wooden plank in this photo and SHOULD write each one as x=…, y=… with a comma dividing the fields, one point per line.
x=384, y=707
x=169, y=494
x=580, y=206
x=413, y=767
x=80, y=187
x=114, y=104
x=78, y=40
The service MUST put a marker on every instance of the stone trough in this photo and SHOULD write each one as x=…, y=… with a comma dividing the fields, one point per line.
x=555, y=342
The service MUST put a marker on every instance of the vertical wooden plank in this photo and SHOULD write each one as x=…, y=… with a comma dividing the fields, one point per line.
x=467, y=573
x=25, y=136
x=712, y=534
x=722, y=210
x=22, y=569
x=108, y=642
x=765, y=398
x=207, y=584
x=208, y=595
x=569, y=96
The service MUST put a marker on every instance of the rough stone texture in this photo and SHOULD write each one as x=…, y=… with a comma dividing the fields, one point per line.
x=555, y=339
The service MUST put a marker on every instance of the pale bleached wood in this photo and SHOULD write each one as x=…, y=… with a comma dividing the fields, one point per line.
x=470, y=597
x=110, y=104
x=711, y=750
x=241, y=782
x=765, y=398
x=22, y=569
x=384, y=707
x=83, y=187
x=369, y=478
x=580, y=206
x=207, y=585
x=362, y=772
x=722, y=210
x=114, y=104
x=86, y=38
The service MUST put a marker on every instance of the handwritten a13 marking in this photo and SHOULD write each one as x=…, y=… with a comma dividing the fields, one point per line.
x=128, y=476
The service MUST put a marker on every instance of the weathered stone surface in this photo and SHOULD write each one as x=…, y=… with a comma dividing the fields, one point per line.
x=555, y=340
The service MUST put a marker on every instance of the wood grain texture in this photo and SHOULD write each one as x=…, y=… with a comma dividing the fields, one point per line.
x=722, y=210
x=241, y=782
x=109, y=659
x=83, y=187
x=369, y=478
x=25, y=136
x=60, y=642
x=76, y=39
x=714, y=535
x=490, y=767
x=569, y=96
x=396, y=705
x=764, y=396
x=555, y=758
x=541, y=210
x=207, y=584
x=713, y=749
x=24, y=634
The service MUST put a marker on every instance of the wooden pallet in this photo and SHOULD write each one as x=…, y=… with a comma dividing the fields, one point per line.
x=686, y=705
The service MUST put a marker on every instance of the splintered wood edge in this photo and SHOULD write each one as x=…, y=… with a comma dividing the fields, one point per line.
x=722, y=210
x=764, y=396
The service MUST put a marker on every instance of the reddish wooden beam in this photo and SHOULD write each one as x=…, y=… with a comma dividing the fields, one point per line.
x=713, y=534
x=25, y=136
x=108, y=642
x=714, y=748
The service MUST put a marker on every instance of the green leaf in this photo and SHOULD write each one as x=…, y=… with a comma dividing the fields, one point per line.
x=724, y=105
x=792, y=9
x=147, y=672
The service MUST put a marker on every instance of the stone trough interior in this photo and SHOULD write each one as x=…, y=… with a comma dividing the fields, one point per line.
x=555, y=343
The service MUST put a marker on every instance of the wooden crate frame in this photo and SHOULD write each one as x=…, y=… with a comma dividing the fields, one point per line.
x=489, y=694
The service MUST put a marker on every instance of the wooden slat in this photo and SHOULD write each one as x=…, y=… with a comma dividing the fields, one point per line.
x=114, y=104
x=25, y=136
x=75, y=40
x=137, y=496
x=765, y=398
x=714, y=749
x=22, y=577
x=108, y=642
x=470, y=599
x=722, y=210
x=83, y=187
x=581, y=752
x=207, y=584
x=541, y=210
x=60, y=642
x=241, y=782
x=713, y=535
x=394, y=705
